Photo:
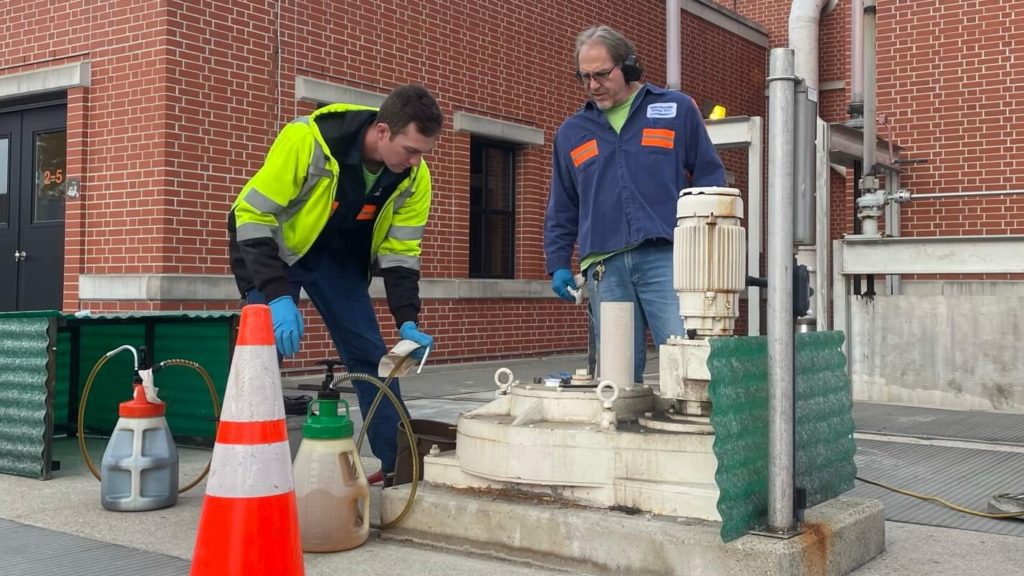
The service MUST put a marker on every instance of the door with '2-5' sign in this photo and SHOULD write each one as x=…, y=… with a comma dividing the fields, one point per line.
x=33, y=186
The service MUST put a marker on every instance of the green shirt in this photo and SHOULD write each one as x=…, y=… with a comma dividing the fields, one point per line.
x=369, y=179
x=617, y=115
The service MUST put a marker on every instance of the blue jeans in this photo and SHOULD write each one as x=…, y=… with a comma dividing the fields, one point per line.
x=339, y=290
x=643, y=276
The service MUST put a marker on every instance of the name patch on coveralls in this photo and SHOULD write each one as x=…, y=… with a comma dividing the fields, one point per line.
x=662, y=110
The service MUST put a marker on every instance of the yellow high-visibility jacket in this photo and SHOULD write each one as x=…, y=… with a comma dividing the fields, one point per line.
x=284, y=207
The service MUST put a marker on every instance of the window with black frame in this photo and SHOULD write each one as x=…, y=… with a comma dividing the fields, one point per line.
x=492, y=169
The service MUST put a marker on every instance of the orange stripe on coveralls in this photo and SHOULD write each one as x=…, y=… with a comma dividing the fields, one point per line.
x=584, y=152
x=261, y=432
x=658, y=137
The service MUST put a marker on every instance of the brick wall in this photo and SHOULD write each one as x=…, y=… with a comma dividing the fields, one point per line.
x=952, y=78
x=948, y=79
x=186, y=97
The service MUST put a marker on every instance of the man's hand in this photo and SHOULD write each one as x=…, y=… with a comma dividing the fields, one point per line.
x=561, y=282
x=287, y=325
x=408, y=331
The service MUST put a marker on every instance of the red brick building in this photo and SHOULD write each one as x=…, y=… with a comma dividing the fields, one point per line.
x=129, y=127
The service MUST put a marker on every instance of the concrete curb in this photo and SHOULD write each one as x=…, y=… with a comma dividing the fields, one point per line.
x=841, y=535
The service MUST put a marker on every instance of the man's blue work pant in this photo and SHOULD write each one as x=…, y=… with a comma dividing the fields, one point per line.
x=338, y=288
x=642, y=275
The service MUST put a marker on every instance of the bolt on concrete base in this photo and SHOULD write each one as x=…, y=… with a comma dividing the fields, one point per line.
x=839, y=536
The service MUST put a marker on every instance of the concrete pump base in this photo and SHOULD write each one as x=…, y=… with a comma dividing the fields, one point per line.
x=839, y=536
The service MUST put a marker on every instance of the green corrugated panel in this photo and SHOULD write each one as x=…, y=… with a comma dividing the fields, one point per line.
x=824, y=418
x=823, y=430
x=189, y=409
x=739, y=415
x=137, y=317
x=24, y=434
x=61, y=384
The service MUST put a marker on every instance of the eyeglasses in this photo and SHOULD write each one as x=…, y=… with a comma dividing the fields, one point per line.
x=600, y=77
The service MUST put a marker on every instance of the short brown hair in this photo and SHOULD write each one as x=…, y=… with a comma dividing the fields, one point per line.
x=411, y=104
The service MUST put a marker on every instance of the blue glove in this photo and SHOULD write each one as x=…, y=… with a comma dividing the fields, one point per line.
x=287, y=325
x=561, y=281
x=408, y=331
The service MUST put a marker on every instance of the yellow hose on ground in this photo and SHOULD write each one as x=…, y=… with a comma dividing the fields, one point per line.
x=941, y=502
x=172, y=362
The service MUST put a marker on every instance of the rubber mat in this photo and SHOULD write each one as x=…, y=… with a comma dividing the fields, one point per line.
x=37, y=551
x=967, y=477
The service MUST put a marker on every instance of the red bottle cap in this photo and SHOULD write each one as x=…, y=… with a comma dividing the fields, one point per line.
x=139, y=407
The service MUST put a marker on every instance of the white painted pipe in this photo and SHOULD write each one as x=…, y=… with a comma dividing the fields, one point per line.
x=617, y=343
x=857, y=56
x=804, y=20
x=673, y=45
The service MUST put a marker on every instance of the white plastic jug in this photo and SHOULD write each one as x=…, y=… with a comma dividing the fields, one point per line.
x=140, y=465
x=331, y=490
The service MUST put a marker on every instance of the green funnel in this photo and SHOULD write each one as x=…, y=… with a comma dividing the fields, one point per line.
x=327, y=424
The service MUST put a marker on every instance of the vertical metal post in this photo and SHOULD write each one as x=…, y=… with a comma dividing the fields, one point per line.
x=823, y=276
x=755, y=203
x=673, y=44
x=893, y=282
x=870, y=105
x=781, y=94
x=805, y=164
x=871, y=201
x=856, y=58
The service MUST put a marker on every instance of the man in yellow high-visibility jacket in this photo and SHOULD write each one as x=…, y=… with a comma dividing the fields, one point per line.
x=342, y=193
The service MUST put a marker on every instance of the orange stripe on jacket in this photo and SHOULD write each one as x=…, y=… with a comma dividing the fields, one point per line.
x=368, y=212
x=584, y=152
x=659, y=137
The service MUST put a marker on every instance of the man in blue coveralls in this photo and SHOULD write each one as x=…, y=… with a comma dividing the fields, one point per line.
x=619, y=164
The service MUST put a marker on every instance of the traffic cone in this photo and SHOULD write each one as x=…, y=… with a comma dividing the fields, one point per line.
x=249, y=522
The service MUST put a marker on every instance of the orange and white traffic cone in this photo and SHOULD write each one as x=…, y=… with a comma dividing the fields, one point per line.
x=249, y=522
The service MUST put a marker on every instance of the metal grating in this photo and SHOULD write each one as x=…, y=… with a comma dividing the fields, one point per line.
x=823, y=432
x=31, y=550
x=977, y=426
x=26, y=391
x=967, y=477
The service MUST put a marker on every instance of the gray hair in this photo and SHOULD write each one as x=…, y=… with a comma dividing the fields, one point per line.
x=619, y=47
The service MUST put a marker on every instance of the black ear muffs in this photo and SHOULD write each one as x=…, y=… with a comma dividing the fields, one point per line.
x=631, y=70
